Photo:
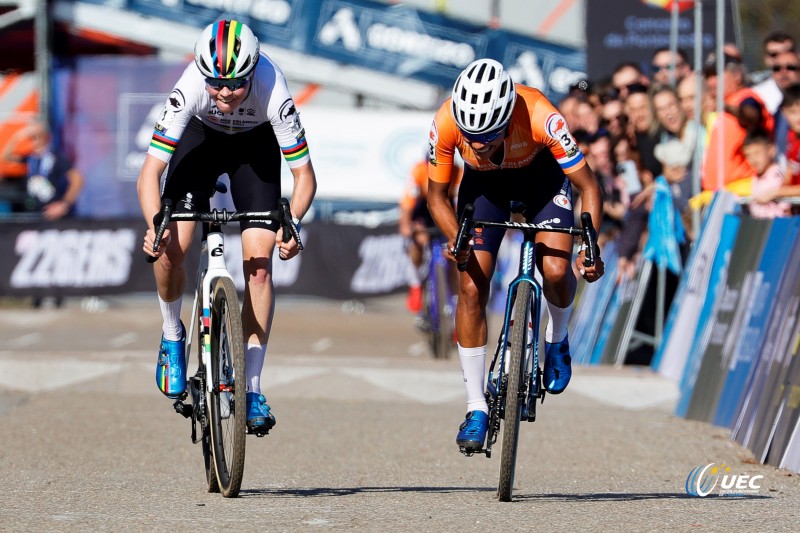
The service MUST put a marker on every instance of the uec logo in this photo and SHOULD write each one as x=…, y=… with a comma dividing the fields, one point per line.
x=703, y=479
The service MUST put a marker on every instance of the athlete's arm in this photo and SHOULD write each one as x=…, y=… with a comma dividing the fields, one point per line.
x=585, y=181
x=305, y=187
x=441, y=209
x=149, y=191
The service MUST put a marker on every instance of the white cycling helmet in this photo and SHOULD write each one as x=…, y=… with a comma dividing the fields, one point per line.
x=226, y=49
x=483, y=97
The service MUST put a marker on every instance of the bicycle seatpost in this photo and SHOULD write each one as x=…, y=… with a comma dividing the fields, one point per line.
x=160, y=222
x=589, y=239
x=462, y=239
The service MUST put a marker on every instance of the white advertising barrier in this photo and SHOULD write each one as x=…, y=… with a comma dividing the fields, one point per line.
x=363, y=154
x=683, y=321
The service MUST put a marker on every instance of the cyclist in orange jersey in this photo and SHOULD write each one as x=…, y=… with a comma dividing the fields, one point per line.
x=516, y=146
x=415, y=221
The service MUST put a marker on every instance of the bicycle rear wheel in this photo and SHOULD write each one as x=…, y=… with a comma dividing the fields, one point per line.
x=445, y=312
x=201, y=406
x=514, y=394
x=227, y=397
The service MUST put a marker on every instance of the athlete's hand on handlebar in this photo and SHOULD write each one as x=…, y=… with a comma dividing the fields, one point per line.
x=590, y=273
x=286, y=249
x=149, y=240
x=459, y=257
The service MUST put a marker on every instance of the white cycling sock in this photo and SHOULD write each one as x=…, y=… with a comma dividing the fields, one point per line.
x=556, y=330
x=171, y=311
x=473, y=366
x=253, y=363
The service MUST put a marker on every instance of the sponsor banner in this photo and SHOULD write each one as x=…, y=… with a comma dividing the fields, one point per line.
x=683, y=317
x=95, y=257
x=747, y=338
x=716, y=284
x=788, y=407
x=591, y=308
x=754, y=408
x=633, y=30
x=791, y=457
x=396, y=39
x=615, y=332
x=774, y=370
x=729, y=311
x=361, y=155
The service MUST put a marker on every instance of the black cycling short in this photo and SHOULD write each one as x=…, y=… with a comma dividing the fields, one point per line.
x=541, y=186
x=252, y=160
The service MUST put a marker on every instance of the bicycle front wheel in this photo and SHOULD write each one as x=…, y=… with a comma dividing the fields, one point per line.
x=228, y=388
x=514, y=392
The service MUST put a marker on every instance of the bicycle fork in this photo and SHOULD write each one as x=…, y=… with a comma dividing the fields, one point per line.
x=496, y=386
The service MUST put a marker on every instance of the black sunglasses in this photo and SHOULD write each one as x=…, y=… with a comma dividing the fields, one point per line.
x=483, y=138
x=790, y=68
x=656, y=68
x=230, y=83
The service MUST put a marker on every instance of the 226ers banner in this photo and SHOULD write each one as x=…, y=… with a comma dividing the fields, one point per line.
x=93, y=257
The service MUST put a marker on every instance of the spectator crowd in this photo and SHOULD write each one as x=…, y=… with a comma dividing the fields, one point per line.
x=640, y=127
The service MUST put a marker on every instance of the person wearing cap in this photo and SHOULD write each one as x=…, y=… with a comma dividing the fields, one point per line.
x=743, y=111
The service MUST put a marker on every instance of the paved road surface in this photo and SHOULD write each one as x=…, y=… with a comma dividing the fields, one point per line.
x=364, y=441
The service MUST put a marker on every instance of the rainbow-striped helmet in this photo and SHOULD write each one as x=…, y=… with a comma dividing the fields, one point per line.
x=226, y=49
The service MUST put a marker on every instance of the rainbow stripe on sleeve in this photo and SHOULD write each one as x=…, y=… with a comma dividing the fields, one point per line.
x=163, y=143
x=295, y=152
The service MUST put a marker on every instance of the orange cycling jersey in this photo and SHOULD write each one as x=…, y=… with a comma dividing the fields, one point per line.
x=535, y=124
x=417, y=187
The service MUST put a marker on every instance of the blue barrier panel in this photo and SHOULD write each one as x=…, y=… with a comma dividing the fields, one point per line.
x=774, y=364
x=758, y=407
x=788, y=419
x=759, y=309
x=591, y=308
x=719, y=268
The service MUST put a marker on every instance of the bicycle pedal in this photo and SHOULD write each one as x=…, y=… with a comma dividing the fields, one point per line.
x=258, y=432
x=469, y=452
x=183, y=409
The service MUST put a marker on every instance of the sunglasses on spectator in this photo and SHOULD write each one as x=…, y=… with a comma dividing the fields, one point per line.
x=483, y=138
x=231, y=83
x=656, y=68
x=790, y=68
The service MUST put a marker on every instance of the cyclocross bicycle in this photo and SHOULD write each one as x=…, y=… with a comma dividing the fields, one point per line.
x=514, y=382
x=218, y=388
x=438, y=302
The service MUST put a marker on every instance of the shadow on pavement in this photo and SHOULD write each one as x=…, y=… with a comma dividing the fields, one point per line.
x=622, y=496
x=348, y=491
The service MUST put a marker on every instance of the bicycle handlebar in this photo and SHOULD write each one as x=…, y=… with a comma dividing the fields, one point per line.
x=464, y=230
x=283, y=216
x=586, y=232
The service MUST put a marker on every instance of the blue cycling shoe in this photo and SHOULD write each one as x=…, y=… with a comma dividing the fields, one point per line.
x=557, y=366
x=259, y=418
x=171, y=366
x=472, y=432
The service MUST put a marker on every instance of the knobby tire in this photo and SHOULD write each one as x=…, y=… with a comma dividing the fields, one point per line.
x=443, y=343
x=227, y=367
x=203, y=419
x=514, y=399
